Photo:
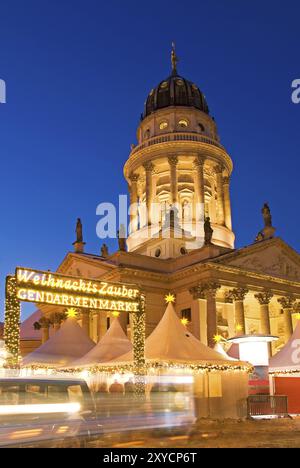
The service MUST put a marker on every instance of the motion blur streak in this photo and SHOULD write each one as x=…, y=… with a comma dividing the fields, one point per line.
x=38, y=409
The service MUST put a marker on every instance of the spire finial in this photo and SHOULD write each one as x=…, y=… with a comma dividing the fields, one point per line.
x=174, y=59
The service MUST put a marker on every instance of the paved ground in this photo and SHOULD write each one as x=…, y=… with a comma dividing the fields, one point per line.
x=210, y=434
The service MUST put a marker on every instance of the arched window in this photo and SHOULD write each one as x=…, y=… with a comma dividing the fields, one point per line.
x=183, y=123
x=201, y=127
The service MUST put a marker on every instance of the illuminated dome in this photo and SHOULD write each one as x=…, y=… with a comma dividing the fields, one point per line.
x=175, y=91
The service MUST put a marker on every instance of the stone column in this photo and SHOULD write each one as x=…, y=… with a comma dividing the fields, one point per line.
x=45, y=325
x=227, y=204
x=264, y=300
x=238, y=296
x=199, y=186
x=208, y=291
x=287, y=304
x=220, y=196
x=95, y=327
x=134, y=203
x=102, y=324
x=123, y=319
x=148, y=166
x=173, y=161
x=85, y=321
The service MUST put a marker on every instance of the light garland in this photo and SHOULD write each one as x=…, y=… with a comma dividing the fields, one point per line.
x=12, y=322
x=139, y=334
x=150, y=365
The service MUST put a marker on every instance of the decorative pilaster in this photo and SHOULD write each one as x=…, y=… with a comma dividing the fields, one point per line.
x=133, y=203
x=264, y=300
x=173, y=161
x=220, y=196
x=227, y=204
x=199, y=186
x=287, y=304
x=238, y=296
x=208, y=291
x=149, y=168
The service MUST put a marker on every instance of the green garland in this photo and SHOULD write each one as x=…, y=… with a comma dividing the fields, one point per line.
x=12, y=322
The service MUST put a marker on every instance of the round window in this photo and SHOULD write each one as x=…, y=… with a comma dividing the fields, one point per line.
x=164, y=84
x=157, y=253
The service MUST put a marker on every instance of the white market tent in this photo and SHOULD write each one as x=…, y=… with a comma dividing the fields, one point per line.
x=172, y=342
x=112, y=345
x=219, y=348
x=288, y=358
x=68, y=343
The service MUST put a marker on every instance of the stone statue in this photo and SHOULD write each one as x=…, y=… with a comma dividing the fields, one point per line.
x=266, y=212
x=104, y=251
x=122, y=238
x=268, y=231
x=79, y=237
x=208, y=231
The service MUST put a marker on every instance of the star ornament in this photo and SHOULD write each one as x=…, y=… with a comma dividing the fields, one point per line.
x=115, y=313
x=184, y=321
x=297, y=316
x=170, y=298
x=217, y=338
x=71, y=313
x=238, y=327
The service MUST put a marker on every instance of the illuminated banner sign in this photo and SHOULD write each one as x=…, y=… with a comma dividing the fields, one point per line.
x=53, y=288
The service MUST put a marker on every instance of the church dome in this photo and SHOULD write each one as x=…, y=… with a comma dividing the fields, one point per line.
x=175, y=91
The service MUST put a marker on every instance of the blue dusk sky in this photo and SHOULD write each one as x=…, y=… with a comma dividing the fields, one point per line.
x=77, y=75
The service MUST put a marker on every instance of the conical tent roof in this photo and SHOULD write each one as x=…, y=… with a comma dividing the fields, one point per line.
x=112, y=345
x=219, y=348
x=288, y=358
x=171, y=341
x=68, y=343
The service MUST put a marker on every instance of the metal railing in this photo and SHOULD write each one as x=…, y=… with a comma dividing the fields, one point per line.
x=267, y=405
x=176, y=137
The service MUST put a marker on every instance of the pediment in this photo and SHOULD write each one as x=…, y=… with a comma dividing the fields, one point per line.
x=274, y=258
x=84, y=266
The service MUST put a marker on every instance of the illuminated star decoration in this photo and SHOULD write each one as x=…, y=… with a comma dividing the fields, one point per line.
x=217, y=338
x=71, y=312
x=184, y=321
x=169, y=298
x=115, y=313
x=297, y=316
x=238, y=327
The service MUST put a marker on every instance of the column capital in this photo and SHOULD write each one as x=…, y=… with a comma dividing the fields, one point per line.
x=264, y=297
x=286, y=302
x=199, y=161
x=238, y=294
x=148, y=166
x=44, y=322
x=133, y=177
x=57, y=317
x=218, y=169
x=173, y=160
x=205, y=290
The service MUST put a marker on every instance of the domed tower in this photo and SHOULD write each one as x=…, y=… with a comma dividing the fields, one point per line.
x=178, y=161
